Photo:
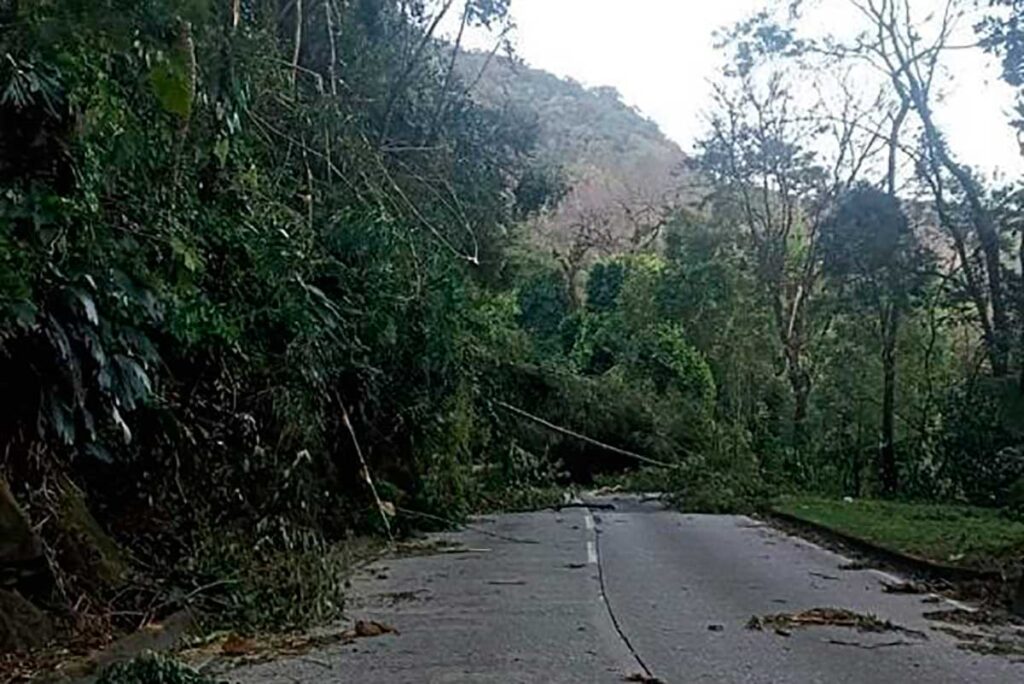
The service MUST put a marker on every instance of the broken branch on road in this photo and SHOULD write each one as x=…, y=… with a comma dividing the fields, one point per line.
x=827, y=617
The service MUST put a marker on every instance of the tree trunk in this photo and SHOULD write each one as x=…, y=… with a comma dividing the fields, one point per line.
x=801, y=387
x=988, y=238
x=1020, y=304
x=894, y=145
x=571, y=274
x=887, y=449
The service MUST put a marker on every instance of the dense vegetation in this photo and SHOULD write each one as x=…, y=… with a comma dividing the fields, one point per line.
x=245, y=247
x=277, y=273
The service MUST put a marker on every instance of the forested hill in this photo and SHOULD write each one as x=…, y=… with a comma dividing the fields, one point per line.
x=578, y=126
x=622, y=175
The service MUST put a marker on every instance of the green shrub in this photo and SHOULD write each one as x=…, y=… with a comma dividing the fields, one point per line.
x=152, y=669
x=981, y=446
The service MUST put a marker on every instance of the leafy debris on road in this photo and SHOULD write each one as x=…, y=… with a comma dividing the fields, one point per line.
x=987, y=639
x=906, y=587
x=393, y=598
x=987, y=632
x=242, y=650
x=825, y=617
x=932, y=586
x=960, y=634
x=235, y=645
x=958, y=616
x=368, y=628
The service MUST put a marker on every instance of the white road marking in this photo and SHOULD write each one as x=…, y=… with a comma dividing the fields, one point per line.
x=591, y=553
x=588, y=521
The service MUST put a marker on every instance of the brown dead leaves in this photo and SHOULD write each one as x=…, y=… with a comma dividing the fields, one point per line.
x=368, y=628
x=245, y=650
x=784, y=623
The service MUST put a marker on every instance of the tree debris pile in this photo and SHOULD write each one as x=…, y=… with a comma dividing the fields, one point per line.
x=988, y=632
x=784, y=623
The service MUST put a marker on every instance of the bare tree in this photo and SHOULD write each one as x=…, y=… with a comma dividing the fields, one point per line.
x=908, y=51
x=758, y=161
x=602, y=217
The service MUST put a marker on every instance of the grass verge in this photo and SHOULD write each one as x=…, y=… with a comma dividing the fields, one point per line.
x=963, y=536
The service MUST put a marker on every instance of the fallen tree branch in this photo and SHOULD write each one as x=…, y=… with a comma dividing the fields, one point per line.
x=297, y=50
x=583, y=438
x=365, y=472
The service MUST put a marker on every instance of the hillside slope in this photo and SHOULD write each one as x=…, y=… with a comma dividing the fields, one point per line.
x=622, y=170
x=579, y=126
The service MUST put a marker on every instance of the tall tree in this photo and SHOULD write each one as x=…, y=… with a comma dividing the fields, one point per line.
x=1002, y=33
x=871, y=250
x=758, y=160
x=907, y=48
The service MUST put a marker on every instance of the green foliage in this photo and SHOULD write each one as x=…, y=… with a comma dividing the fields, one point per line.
x=173, y=79
x=701, y=489
x=152, y=669
x=944, y=533
x=212, y=265
x=262, y=586
x=617, y=372
x=980, y=447
x=543, y=304
x=604, y=285
x=228, y=279
x=519, y=480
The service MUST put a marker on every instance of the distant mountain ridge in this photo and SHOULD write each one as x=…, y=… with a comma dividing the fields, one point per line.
x=622, y=169
x=579, y=126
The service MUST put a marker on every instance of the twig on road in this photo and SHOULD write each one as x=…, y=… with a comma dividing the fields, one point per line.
x=870, y=647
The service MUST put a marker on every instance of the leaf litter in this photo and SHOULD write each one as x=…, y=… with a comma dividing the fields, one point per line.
x=784, y=623
x=242, y=650
x=985, y=632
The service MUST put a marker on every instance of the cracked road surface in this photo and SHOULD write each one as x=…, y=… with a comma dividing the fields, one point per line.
x=598, y=595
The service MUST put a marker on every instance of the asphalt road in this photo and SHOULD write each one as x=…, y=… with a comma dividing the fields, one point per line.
x=593, y=596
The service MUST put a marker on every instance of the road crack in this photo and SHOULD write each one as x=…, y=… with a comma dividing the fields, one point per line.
x=649, y=676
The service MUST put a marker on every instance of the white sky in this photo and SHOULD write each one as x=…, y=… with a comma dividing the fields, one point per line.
x=659, y=55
